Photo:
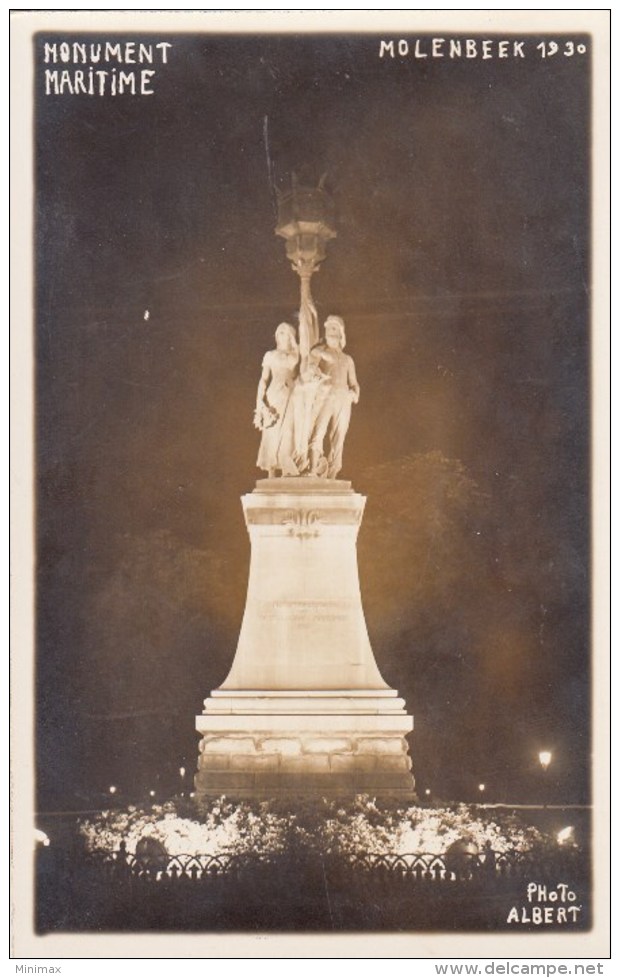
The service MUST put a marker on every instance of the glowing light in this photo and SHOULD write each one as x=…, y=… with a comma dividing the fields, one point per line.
x=545, y=759
x=41, y=838
x=566, y=835
x=428, y=791
x=182, y=772
x=152, y=794
x=481, y=787
x=192, y=793
x=113, y=789
x=226, y=829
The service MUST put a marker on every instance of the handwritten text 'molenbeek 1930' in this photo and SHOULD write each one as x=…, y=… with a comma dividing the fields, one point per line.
x=90, y=68
x=476, y=48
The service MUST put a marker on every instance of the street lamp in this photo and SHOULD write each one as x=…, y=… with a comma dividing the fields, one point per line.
x=481, y=787
x=566, y=836
x=545, y=757
x=41, y=838
x=113, y=789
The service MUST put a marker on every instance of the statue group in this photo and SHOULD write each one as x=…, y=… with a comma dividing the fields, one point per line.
x=303, y=403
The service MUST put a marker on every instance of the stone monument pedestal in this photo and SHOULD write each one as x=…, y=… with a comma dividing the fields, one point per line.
x=304, y=709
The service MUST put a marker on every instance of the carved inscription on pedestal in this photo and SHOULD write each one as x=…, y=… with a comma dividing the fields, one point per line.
x=306, y=611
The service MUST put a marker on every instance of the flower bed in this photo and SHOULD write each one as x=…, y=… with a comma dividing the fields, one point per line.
x=361, y=828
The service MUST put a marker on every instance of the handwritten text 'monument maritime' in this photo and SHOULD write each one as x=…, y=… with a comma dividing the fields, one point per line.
x=90, y=69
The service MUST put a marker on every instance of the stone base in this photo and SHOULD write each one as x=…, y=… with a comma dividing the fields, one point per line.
x=292, y=743
x=304, y=709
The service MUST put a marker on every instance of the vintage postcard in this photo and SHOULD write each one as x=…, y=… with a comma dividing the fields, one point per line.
x=310, y=332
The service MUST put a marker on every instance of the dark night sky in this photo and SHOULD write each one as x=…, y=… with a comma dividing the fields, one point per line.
x=461, y=269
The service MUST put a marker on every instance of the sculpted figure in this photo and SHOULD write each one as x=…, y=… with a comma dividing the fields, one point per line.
x=309, y=380
x=334, y=396
x=274, y=411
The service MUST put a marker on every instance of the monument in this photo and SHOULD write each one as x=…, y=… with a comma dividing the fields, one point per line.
x=304, y=709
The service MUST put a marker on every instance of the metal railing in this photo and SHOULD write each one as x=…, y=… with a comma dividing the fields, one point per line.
x=416, y=867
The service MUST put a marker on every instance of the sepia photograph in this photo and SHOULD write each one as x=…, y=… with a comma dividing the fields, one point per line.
x=310, y=449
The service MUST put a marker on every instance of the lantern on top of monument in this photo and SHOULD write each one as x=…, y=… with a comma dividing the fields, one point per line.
x=306, y=220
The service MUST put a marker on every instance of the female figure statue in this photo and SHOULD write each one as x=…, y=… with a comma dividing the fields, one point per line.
x=274, y=411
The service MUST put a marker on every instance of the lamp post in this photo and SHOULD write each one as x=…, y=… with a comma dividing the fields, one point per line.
x=306, y=220
x=545, y=757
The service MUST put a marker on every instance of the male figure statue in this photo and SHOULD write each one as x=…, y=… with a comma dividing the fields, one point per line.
x=332, y=405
